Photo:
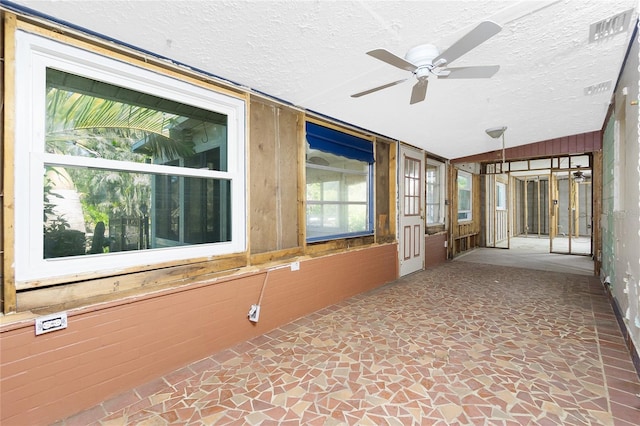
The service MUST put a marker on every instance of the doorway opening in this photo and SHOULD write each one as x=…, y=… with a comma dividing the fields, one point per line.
x=549, y=200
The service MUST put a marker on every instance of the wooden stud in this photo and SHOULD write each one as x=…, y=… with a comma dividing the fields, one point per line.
x=263, y=181
x=526, y=207
x=495, y=210
x=539, y=208
x=382, y=197
x=274, y=150
x=511, y=220
x=9, y=301
x=476, y=222
x=288, y=160
x=393, y=189
x=453, y=206
x=302, y=179
x=553, y=209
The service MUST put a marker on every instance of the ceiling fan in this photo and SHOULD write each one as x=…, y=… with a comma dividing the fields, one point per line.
x=579, y=175
x=425, y=59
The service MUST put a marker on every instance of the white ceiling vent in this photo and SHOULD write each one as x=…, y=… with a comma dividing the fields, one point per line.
x=610, y=26
x=595, y=89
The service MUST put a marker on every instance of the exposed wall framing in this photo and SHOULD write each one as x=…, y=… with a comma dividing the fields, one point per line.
x=531, y=204
x=464, y=235
x=439, y=228
x=273, y=169
x=9, y=23
x=103, y=289
x=275, y=198
x=385, y=190
x=583, y=142
x=495, y=222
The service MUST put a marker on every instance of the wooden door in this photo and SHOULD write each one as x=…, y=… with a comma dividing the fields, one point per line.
x=411, y=238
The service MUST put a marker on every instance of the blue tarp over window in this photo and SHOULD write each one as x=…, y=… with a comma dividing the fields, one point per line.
x=335, y=142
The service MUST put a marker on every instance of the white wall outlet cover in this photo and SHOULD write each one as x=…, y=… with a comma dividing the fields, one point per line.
x=254, y=313
x=49, y=323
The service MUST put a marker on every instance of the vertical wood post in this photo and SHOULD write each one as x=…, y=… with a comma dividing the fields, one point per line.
x=7, y=153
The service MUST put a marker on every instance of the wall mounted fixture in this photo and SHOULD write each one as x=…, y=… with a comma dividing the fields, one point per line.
x=496, y=132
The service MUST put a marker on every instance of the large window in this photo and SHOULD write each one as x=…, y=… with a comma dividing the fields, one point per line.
x=464, y=195
x=125, y=166
x=435, y=192
x=338, y=185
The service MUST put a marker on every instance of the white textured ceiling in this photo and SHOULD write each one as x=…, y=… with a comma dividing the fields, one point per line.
x=312, y=54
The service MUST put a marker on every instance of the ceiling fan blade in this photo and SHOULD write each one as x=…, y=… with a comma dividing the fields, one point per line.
x=419, y=91
x=474, y=38
x=486, y=71
x=391, y=59
x=375, y=89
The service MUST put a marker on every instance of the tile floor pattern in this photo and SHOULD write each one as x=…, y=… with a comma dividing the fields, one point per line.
x=460, y=344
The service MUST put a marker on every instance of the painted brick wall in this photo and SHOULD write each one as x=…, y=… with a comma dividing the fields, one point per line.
x=110, y=348
x=435, y=252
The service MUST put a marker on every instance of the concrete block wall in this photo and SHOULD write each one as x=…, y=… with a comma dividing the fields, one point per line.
x=109, y=348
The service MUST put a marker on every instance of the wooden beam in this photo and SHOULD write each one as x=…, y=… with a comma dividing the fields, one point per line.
x=393, y=188
x=103, y=288
x=262, y=180
x=301, y=176
x=8, y=154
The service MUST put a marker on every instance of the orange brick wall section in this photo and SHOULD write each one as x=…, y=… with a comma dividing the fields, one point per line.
x=107, y=349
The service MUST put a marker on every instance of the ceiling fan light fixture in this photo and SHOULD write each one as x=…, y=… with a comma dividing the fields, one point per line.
x=422, y=55
x=496, y=132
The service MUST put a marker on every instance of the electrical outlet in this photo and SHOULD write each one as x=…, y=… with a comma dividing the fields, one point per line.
x=295, y=266
x=49, y=323
x=254, y=313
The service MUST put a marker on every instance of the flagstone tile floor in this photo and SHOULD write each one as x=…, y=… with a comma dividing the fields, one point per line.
x=460, y=344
